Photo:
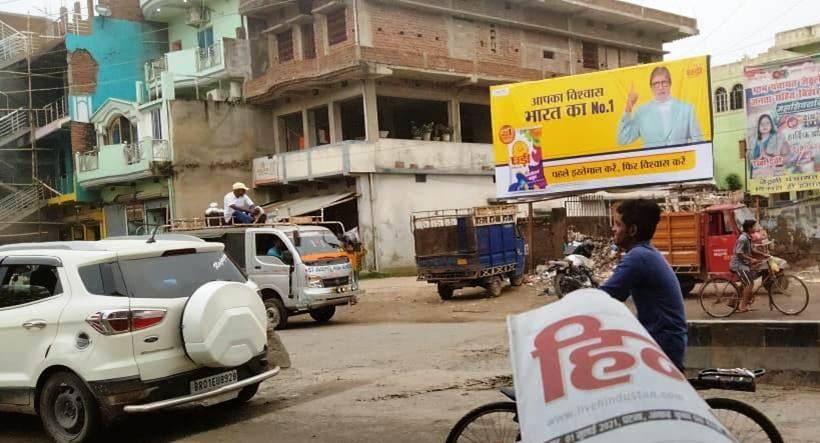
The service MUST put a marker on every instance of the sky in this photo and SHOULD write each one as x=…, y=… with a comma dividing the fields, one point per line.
x=729, y=29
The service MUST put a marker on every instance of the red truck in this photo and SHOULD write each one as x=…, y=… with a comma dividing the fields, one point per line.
x=700, y=244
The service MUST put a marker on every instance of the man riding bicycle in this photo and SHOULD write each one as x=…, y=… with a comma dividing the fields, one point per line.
x=744, y=263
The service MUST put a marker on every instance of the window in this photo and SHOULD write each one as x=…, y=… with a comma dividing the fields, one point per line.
x=284, y=46
x=590, y=55
x=271, y=249
x=205, y=38
x=736, y=99
x=720, y=100
x=548, y=54
x=156, y=123
x=24, y=283
x=644, y=57
x=121, y=130
x=102, y=279
x=308, y=42
x=337, y=26
x=177, y=276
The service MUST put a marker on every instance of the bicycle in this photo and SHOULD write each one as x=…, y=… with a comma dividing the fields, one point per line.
x=720, y=296
x=498, y=422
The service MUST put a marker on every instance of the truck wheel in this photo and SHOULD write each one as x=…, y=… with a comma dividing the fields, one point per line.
x=445, y=292
x=516, y=280
x=323, y=314
x=687, y=284
x=494, y=286
x=68, y=410
x=277, y=314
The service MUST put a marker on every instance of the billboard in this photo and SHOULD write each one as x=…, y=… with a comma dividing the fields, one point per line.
x=645, y=124
x=783, y=127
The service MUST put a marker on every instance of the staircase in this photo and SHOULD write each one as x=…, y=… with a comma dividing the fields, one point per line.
x=13, y=45
x=17, y=206
x=13, y=125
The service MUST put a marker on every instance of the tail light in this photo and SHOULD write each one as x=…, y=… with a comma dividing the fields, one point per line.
x=119, y=321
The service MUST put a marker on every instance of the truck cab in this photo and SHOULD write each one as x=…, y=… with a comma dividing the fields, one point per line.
x=298, y=269
x=721, y=226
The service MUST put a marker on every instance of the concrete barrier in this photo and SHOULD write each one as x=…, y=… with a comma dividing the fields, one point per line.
x=788, y=350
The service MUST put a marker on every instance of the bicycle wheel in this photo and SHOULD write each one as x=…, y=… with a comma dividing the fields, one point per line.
x=491, y=423
x=744, y=422
x=789, y=294
x=719, y=297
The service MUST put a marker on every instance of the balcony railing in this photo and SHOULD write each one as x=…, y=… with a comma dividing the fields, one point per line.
x=209, y=57
x=154, y=69
x=51, y=112
x=122, y=162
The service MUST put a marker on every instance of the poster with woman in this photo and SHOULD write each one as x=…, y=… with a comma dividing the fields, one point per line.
x=783, y=126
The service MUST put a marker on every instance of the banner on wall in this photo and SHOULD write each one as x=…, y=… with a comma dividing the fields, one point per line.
x=646, y=124
x=783, y=127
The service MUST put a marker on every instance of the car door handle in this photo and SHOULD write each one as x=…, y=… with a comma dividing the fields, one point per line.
x=257, y=267
x=39, y=324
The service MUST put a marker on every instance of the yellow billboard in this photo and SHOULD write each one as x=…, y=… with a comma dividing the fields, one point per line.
x=644, y=124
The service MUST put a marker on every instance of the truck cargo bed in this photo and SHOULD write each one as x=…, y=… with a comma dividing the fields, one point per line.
x=677, y=237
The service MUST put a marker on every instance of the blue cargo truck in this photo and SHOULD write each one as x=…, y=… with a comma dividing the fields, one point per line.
x=479, y=246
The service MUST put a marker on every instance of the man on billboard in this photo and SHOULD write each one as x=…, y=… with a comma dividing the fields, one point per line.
x=663, y=121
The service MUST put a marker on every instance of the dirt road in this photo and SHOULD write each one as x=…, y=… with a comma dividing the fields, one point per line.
x=401, y=366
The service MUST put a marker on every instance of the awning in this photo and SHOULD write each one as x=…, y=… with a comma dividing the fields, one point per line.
x=305, y=205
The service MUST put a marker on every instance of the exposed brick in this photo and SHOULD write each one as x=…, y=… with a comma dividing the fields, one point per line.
x=83, y=137
x=124, y=9
x=82, y=72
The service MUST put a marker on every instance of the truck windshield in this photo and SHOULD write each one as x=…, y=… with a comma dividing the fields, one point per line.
x=743, y=214
x=317, y=242
x=177, y=276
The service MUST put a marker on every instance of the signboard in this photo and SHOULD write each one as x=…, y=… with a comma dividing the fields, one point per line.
x=586, y=370
x=783, y=127
x=639, y=125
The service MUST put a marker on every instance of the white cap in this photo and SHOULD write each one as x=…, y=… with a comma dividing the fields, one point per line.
x=213, y=205
x=239, y=185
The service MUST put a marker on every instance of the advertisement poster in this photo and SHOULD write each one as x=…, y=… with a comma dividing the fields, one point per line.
x=586, y=370
x=783, y=127
x=639, y=125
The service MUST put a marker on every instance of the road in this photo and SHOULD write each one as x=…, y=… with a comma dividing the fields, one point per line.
x=400, y=366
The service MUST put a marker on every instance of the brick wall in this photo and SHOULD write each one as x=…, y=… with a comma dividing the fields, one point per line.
x=83, y=137
x=82, y=72
x=124, y=9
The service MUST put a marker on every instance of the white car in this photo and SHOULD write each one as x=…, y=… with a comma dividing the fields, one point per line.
x=92, y=330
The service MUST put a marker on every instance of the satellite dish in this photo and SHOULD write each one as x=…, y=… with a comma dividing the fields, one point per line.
x=103, y=11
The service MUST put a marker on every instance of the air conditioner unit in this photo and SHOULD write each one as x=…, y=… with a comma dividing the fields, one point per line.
x=235, y=92
x=216, y=95
x=197, y=16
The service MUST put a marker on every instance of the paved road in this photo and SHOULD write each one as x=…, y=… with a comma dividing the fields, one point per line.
x=398, y=382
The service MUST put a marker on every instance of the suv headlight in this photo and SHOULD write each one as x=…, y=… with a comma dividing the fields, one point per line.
x=314, y=281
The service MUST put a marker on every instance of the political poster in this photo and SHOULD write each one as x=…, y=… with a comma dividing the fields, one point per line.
x=783, y=126
x=644, y=124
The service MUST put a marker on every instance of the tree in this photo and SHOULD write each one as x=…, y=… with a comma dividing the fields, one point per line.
x=733, y=182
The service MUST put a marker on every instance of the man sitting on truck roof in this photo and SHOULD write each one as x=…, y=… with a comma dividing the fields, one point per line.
x=644, y=274
x=240, y=209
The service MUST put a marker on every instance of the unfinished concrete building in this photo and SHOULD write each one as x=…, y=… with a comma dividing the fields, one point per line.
x=381, y=108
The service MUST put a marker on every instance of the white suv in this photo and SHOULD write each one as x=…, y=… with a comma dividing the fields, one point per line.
x=92, y=330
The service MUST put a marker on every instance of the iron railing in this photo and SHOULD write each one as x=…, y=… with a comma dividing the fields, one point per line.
x=51, y=112
x=209, y=57
x=13, y=122
x=154, y=69
x=13, y=43
x=19, y=204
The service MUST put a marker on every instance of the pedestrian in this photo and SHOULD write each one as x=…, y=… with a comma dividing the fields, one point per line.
x=744, y=264
x=240, y=209
x=645, y=275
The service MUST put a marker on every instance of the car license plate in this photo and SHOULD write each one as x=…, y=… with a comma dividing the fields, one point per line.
x=213, y=382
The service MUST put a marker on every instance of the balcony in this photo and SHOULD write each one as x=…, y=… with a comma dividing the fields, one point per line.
x=124, y=162
x=383, y=156
x=225, y=59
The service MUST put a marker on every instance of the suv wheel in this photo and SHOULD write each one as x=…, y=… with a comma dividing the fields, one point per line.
x=68, y=410
x=323, y=314
x=277, y=314
x=246, y=393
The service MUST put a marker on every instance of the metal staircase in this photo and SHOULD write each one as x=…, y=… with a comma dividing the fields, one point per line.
x=17, y=206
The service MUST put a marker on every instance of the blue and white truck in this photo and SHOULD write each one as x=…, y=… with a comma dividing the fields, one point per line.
x=479, y=246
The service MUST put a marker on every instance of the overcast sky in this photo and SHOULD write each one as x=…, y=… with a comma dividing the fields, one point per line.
x=728, y=28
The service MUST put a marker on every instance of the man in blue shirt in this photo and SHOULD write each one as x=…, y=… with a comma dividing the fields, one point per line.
x=645, y=275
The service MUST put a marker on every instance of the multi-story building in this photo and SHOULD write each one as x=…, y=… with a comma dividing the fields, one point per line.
x=381, y=108
x=39, y=199
x=147, y=139
x=728, y=100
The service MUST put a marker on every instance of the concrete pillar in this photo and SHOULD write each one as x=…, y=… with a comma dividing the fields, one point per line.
x=334, y=116
x=366, y=189
x=310, y=137
x=306, y=129
x=278, y=136
x=371, y=110
x=455, y=119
